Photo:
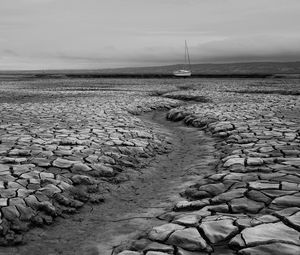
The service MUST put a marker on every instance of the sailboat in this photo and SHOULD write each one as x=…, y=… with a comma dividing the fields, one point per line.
x=185, y=72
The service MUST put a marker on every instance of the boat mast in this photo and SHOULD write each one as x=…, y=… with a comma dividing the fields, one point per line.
x=185, y=55
x=188, y=55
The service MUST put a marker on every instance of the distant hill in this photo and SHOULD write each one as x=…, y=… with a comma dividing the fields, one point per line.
x=253, y=69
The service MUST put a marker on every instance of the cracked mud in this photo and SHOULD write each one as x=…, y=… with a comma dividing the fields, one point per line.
x=227, y=184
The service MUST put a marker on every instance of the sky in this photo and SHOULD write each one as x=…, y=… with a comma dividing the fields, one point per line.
x=91, y=34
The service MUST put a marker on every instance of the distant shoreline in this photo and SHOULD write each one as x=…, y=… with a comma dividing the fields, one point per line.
x=226, y=70
x=32, y=76
x=149, y=76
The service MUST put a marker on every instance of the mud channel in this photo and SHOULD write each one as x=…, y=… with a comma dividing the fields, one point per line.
x=134, y=206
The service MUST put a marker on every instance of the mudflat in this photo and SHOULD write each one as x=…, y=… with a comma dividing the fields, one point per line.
x=149, y=166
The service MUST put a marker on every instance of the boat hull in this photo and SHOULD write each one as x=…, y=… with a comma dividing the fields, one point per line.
x=182, y=73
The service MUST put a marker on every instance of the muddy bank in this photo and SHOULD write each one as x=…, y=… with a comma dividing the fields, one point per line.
x=132, y=207
x=251, y=204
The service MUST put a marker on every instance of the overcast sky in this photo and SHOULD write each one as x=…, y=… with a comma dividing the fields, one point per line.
x=56, y=34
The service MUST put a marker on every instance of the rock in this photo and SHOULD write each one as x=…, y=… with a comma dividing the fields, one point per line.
x=245, y=222
x=273, y=193
x=175, y=116
x=294, y=220
x=217, y=177
x=139, y=244
x=16, y=201
x=92, y=159
x=255, y=161
x=185, y=252
x=62, y=163
x=154, y=246
x=290, y=186
x=194, y=205
x=291, y=152
x=213, y=189
x=236, y=176
x=50, y=189
x=201, y=213
x=273, y=248
x=11, y=160
x=80, y=167
x=10, y=213
x=263, y=185
x=270, y=232
x=156, y=253
x=231, y=156
x=168, y=216
x=161, y=233
x=240, y=205
x=64, y=185
x=286, y=212
x=66, y=201
x=266, y=149
x=229, y=195
x=188, y=220
x=48, y=208
x=129, y=253
x=26, y=213
x=196, y=194
x=258, y=196
x=103, y=170
x=105, y=159
x=223, y=126
x=43, y=162
x=267, y=218
x=8, y=193
x=68, y=141
x=219, y=230
x=237, y=241
x=188, y=239
x=292, y=162
x=32, y=201
x=20, y=169
x=223, y=250
x=286, y=201
x=221, y=208
x=82, y=179
x=234, y=161
x=4, y=167
x=3, y=202
x=6, y=177
x=46, y=154
x=45, y=175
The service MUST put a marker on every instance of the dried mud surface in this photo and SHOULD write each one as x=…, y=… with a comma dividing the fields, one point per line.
x=85, y=158
x=133, y=207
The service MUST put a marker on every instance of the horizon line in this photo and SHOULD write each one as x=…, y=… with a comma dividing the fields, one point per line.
x=136, y=67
